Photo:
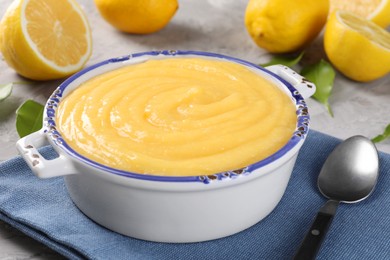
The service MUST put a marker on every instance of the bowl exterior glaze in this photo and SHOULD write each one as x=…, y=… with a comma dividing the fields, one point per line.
x=170, y=209
x=176, y=214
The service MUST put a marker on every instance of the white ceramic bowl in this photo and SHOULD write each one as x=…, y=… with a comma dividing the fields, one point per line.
x=170, y=209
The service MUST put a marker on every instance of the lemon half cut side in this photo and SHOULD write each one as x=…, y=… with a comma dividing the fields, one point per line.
x=45, y=39
x=357, y=47
x=377, y=11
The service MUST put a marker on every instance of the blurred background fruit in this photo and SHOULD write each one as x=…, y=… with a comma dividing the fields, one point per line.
x=377, y=11
x=137, y=16
x=282, y=26
x=45, y=40
x=357, y=47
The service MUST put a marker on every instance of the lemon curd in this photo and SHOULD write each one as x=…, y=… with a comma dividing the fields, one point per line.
x=177, y=117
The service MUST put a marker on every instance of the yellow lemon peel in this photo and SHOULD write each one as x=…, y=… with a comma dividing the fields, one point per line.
x=281, y=26
x=137, y=16
x=357, y=47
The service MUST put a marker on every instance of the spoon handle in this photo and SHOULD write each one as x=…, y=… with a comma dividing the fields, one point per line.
x=317, y=232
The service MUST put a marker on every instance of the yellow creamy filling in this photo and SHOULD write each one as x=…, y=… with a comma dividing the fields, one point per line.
x=177, y=117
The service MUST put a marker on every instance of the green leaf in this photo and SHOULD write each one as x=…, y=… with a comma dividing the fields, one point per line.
x=29, y=118
x=322, y=75
x=385, y=135
x=5, y=91
x=286, y=60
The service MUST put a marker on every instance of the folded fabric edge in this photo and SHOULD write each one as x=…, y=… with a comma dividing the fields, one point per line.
x=42, y=238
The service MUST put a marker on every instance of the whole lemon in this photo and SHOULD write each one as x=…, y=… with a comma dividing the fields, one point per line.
x=281, y=26
x=357, y=47
x=137, y=16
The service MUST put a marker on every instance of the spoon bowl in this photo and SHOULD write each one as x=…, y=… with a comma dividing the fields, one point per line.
x=351, y=171
x=348, y=175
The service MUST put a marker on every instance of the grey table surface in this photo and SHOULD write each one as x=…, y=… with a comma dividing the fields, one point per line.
x=206, y=25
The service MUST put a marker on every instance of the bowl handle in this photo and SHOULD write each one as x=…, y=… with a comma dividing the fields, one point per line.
x=41, y=167
x=305, y=87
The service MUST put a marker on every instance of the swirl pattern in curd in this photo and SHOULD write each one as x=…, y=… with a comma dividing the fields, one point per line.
x=177, y=117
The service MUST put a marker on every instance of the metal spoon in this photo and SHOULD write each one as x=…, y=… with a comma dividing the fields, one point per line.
x=349, y=175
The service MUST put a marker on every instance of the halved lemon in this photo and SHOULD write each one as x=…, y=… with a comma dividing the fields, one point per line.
x=377, y=11
x=357, y=47
x=45, y=39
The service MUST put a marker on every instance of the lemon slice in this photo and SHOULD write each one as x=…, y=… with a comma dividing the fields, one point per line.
x=357, y=47
x=377, y=11
x=45, y=39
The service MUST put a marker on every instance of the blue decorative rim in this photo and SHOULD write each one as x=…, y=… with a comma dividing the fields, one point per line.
x=301, y=130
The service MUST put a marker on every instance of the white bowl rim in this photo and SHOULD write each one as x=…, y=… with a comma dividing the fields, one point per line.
x=300, y=133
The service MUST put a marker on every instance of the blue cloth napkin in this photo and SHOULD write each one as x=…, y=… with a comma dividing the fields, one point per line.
x=43, y=210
